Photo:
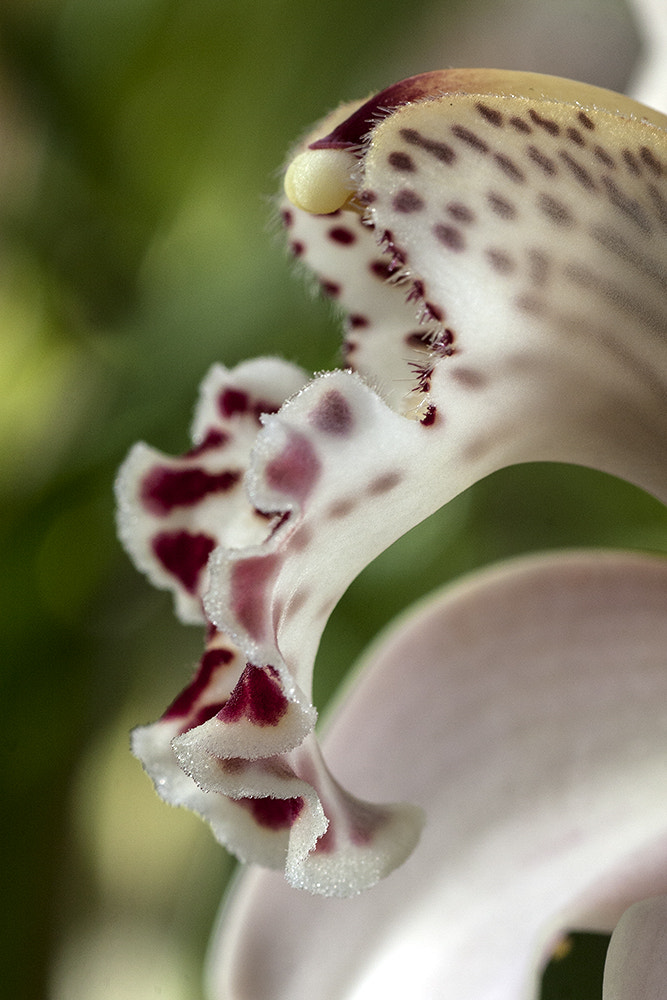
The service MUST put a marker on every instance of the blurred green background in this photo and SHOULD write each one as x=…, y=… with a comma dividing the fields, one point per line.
x=140, y=145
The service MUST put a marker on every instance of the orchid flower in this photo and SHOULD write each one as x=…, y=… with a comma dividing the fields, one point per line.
x=497, y=242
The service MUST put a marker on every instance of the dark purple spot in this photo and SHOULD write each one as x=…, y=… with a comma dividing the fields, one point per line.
x=330, y=288
x=417, y=291
x=627, y=205
x=232, y=401
x=327, y=842
x=341, y=508
x=631, y=162
x=509, y=168
x=384, y=483
x=407, y=201
x=348, y=348
x=340, y=234
x=297, y=248
x=580, y=173
x=367, y=197
x=443, y=345
x=418, y=339
x=449, y=236
x=460, y=212
x=273, y=814
x=586, y=121
x=184, y=555
x=548, y=124
x=258, y=697
x=659, y=203
x=433, y=312
x=505, y=209
x=250, y=581
x=288, y=217
x=530, y=303
x=604, y=157
x=545, y=163
x=213, y=439
x=357, y=321
x=520, y=125
x=332, y=415
x=491, y=115
x=440, y=150
x=210, y=663
x=650, y=160
x=296, y=470
x=382, y=269
x=401, y=161
x=575, y=136
x=470, y=138
x=429, y=416
x=555, y=210
x=500, y=261
x=163, y=489
x=468, y=378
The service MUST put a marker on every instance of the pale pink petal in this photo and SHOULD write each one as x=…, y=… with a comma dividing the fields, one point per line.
x=636, y=966
x=525, y=710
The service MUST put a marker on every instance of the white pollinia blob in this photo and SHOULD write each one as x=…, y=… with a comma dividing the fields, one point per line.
x=498, y=244
x=525, y=709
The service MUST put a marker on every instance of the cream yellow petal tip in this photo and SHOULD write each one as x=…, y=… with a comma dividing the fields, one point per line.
x=320, y=181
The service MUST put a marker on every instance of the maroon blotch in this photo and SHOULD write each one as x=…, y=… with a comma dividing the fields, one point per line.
x=352, y=131
x=164, y=489
x=330, y=288
x=184, y=555
x=214, y=438
x=509, y=168
x=250, y=581
x=332, y=415
x=548, y=124
x=460, y=212
x=357, y=321
x=440, y=150
x=342, y=235
x=232, y=401
x=429, y=416
x=470, y=138
x=401, y=161
x=295, y=470
x=202, y=715
x=274, y=814
x=491, y=115
x=258, y=697
x=650, y=160
x=586, y=121
x=210, y=662
x=520, y=125
x=407, y=201
x=449, y=236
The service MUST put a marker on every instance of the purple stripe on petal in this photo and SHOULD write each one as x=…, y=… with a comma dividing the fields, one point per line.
x=257, y=697
x=163, y=489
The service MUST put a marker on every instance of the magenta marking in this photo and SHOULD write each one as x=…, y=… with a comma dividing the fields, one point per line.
x=163, y=489
x=333, y=415
x=209, y=665
x=250, y=581
x=183, y=555
x=342, y=235
x=274, y=814
x=214, y=438
x=257, y=697
x=296, y=470
x=357, y=321
x=264, y=406
x=429, y=417
x=203, y=714
x=232, y=401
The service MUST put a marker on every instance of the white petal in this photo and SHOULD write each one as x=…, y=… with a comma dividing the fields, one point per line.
x=526, y=711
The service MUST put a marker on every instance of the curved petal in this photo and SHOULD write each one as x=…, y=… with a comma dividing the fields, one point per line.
x=650, y=84
x=525, y=710
x=636, y=966
x=498, y=242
